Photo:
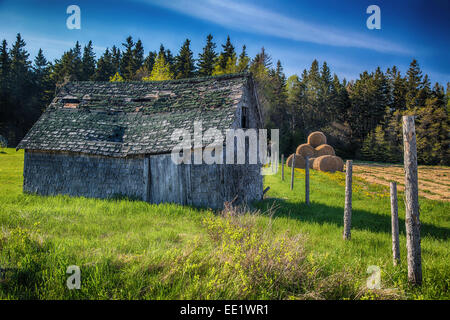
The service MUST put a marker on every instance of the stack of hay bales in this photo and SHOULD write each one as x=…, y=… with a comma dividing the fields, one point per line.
x=321, y=155
x=299, y=161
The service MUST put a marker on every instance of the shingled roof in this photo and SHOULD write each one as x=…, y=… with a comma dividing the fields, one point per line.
x=129, y=118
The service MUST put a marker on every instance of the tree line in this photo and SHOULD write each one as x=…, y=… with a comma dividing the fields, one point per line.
x=362, y=117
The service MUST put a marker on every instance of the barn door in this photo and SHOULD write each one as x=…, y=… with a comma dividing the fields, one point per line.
x=166, y=180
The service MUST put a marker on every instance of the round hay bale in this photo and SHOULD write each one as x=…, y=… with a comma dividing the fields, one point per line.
x=324, y=150
x=325, y=163
x=311, y=162
x=339, y=163
x=299, y=161
x=305, y=150
x=316, y=138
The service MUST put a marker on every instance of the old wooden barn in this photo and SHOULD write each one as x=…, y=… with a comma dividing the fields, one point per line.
x=109, y=139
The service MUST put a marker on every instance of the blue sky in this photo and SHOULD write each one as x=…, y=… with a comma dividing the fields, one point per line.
x=296, y=32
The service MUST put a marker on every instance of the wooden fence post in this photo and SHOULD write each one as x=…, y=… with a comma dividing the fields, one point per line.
x=277, y=159
x=271, y=161
x=292, y=171
x=412, y=202
x=348, y=201
x=307, y=180
x=282, y=167
x=394, y=218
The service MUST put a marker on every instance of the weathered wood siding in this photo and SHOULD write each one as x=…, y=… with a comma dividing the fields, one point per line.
x=155, y=179
x=203, y=185
x=51, y=173
x=207, y=185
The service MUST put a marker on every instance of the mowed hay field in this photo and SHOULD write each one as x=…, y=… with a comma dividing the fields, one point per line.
x=282, y=249
x=434, y=181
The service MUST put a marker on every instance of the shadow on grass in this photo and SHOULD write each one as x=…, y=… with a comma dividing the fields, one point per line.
x=361, y=219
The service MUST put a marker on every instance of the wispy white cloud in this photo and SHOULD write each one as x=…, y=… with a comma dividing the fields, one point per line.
x=251, y=18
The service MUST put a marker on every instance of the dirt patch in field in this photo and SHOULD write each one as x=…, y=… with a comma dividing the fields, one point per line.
x=434, y=182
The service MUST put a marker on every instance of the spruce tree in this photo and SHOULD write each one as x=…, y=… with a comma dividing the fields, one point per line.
x=381, y=147
x=311, y=110
x=162, y=51
x=150, y=60
x=88, y=63
x=170, y=60
x=185, y=65
x=105, y=67
x=278, y=112
x=380, y=98
x=44, y=86
x=394, y=136
x=22, y=104
x=5, y=65
x=244, y=60
x=207, y=58
x=40, y=63
x=325, y=76
x=424, y=92
x=398, y=89
x=368, y=147
x=64, y=68
x=127, y=61
x=326, y=106
x=116, y=58
x=361, y=94
x=137, y=60
x=20, y=69
x=295, y=100
x=259, y=68
x=77, y=62
x=20, y=64
x=413, y=83
x=260, y=65
x=226, y=55
x=341, y=100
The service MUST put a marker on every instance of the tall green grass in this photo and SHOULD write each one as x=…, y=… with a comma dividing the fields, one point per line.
x=286, y=250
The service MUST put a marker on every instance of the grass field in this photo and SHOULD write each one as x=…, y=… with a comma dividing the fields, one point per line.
x=284, y=250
